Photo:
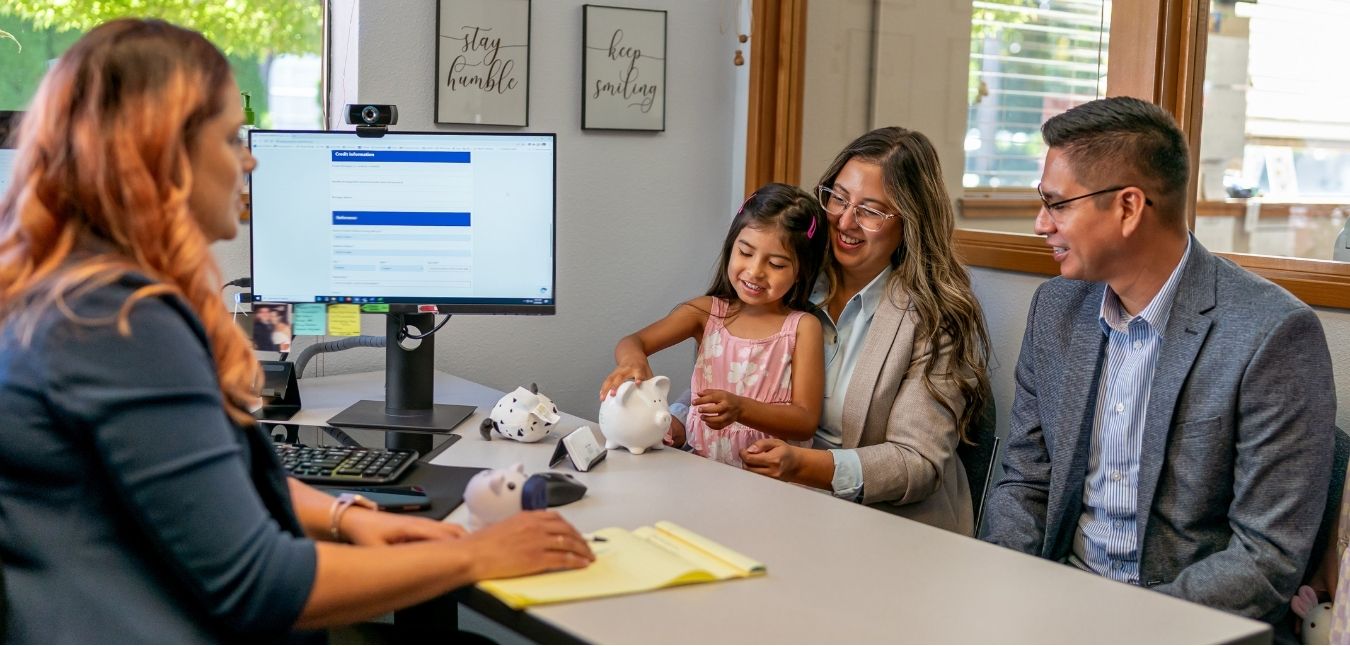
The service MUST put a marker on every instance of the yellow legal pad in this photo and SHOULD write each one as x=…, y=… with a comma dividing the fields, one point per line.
x=647, y=558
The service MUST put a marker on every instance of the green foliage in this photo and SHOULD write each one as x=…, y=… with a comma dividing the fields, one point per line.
x=25, y=67
x=250, y=32
x=244, y=28
x=4, y=35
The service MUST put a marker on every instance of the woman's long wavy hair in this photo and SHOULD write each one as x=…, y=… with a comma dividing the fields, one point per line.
x=925, y=264
x=101, y=184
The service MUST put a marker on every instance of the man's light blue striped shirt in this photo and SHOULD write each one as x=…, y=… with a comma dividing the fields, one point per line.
x=1107, y=540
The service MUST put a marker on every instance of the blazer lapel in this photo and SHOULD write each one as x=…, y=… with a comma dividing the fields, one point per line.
x=1072, y=431
x=876, y=348
x=1187, y=328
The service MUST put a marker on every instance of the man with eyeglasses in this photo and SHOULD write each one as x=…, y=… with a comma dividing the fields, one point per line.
x=1173, y=414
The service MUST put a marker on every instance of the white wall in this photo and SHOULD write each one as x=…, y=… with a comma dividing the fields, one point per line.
x=640, y=215
x=1006, y=295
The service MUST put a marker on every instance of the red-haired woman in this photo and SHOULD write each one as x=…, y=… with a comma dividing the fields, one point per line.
x=138, y=501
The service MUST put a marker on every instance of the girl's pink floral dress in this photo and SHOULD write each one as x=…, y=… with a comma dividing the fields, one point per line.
x=760, y=369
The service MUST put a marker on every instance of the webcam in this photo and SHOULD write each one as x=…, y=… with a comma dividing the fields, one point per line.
x=372, y=119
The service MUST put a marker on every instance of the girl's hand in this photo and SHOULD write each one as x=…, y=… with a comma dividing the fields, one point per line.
x=774, y=458
x=635, y=370
x=369, y=527
x=719, y=408
x=527, y=543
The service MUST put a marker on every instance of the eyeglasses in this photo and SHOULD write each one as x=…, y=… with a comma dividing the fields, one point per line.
x=1053, y=207
x=836, y=204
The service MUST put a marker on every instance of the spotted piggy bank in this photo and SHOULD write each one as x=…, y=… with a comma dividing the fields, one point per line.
x=635, y=417
x=523, y=415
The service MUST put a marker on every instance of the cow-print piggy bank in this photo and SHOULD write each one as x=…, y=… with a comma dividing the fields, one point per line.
x=523, y=415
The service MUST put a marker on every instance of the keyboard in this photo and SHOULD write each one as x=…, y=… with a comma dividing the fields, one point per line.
x=344, y=464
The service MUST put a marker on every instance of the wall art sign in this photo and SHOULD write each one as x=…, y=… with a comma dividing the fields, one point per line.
x=623, y=68
x=483, y=62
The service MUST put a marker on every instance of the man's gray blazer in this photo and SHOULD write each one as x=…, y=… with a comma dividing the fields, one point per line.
x=1236, y=452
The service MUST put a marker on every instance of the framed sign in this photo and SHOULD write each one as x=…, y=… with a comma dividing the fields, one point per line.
x=623, y=68
x=483, y=62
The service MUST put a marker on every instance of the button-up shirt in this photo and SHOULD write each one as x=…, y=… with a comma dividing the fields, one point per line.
x=1107, y=541
x=843, y=345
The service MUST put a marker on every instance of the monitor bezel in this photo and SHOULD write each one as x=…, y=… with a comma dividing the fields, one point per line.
x=456, y=306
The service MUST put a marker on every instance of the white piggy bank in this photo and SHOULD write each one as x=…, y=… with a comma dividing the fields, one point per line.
x=635, y=417
x=494, y=495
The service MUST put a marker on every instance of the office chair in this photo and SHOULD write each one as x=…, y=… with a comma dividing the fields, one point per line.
x=4, y=608
x=978, y=458
x=1326, y=532
x=1326, y=538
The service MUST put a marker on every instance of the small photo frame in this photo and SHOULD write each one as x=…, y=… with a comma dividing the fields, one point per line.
x=272, y=327
x=623, y=68
x=483, y=62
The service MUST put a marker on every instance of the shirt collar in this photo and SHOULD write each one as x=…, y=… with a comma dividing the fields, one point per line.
x=869, y=297
x=1156, y=313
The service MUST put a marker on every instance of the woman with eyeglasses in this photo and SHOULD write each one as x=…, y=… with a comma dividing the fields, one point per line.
x=905, y=341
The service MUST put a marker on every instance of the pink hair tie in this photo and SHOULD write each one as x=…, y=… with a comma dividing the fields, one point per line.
x=811, y=231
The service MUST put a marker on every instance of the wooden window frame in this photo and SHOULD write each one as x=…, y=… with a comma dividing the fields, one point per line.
x=1157, y=53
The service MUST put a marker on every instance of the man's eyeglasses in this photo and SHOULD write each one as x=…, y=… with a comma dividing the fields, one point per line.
x=836, y=204
x=1056, y=206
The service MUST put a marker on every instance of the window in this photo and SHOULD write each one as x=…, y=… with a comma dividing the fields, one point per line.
x=1274, y=162
x=273, y=46
x=1007, y=65
x=882, y=62
x=1029, y=60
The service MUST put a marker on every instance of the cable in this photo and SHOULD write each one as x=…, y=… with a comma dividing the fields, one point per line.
x=406, y=335
x=346, y=343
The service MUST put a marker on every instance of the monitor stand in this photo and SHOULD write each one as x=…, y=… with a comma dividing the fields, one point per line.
x=407, y=410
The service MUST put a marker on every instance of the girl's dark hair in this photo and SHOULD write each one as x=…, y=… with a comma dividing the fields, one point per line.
x=794, y=213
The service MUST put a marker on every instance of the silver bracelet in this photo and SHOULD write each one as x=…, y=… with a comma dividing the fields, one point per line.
x=340, y=506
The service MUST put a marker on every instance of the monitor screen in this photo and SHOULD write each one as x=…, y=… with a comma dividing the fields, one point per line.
x=464, y=221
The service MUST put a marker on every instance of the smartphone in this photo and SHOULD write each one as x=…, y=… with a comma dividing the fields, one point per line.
x=404, y=498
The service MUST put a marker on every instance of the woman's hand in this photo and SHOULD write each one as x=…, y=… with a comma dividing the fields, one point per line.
x=675, y=436
x=635, y=369
x=774, y=458
x=527, y=543
x=369, y=527
x=719, y=408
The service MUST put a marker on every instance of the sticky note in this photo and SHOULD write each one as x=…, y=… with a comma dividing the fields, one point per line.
x=344, y=320
x=377, y=308
x=310, y=319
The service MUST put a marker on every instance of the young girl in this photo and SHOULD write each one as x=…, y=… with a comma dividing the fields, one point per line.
x=760, y=367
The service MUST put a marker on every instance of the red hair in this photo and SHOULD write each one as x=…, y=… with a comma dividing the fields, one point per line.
x=101, y=184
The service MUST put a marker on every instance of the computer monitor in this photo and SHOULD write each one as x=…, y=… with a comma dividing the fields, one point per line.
x=415, y=222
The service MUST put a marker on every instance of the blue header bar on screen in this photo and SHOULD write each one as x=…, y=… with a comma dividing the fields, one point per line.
x=400, y=218
x=424, y=156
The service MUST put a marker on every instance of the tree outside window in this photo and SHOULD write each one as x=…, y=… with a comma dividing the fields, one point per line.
x=273, y=46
